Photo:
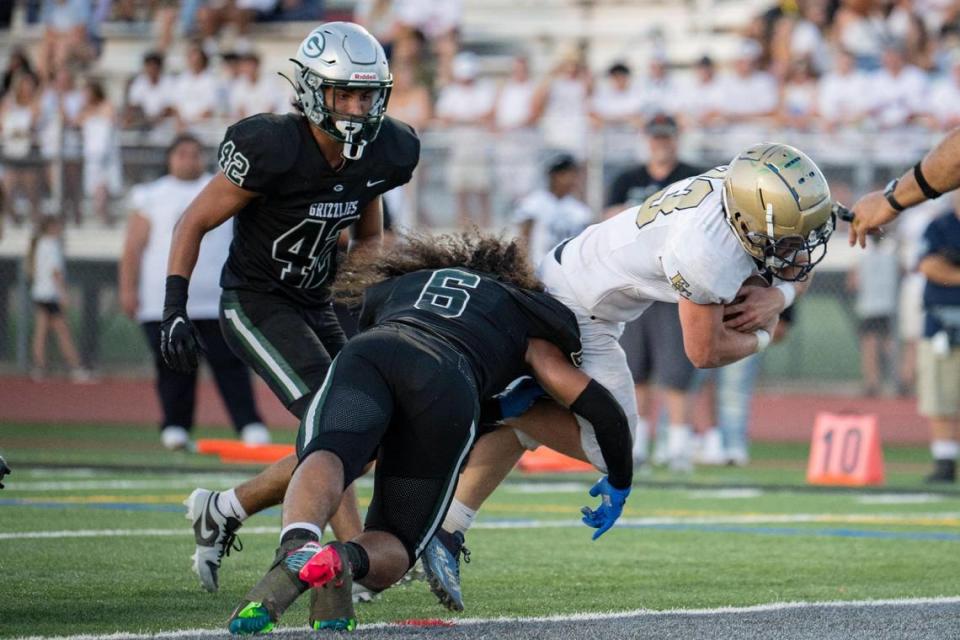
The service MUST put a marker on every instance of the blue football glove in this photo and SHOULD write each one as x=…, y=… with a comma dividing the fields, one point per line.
x=611, y=506
x=519, y=396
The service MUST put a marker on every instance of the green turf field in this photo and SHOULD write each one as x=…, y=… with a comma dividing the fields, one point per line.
x=718, y=537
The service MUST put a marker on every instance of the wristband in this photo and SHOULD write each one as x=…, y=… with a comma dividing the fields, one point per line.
x=891, y=199
x=928, y=191
x=763, y=340
x=176, y=295
x=789, y=291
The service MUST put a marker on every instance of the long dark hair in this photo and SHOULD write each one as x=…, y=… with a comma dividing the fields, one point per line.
x=500, y=257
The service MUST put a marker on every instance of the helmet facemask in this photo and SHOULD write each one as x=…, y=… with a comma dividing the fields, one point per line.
x=354, y=131
x=790, y=257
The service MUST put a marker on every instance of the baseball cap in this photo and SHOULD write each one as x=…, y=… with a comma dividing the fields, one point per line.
x=661, y=125
x=561, y=162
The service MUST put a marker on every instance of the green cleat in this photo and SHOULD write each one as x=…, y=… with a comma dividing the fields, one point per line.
x=331, y=602
x=252, y=618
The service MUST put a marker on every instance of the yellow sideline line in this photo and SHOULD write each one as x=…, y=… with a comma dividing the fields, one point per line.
x=866, y=518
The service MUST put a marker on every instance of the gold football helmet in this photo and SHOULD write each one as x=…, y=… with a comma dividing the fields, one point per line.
x=778, y=203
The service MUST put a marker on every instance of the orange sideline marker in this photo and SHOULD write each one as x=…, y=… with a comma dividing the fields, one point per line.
x=845, y=450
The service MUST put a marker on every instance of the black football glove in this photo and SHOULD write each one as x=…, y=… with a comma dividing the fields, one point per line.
x=179, y=342
x=4, y=470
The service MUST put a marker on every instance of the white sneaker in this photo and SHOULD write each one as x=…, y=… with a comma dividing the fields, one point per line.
x=214, y=534
x=81, y=376
x=175, y=438
x=737, y=457
x=680, y=448
x=255, y=433
x=660, y=456
x=711, y=451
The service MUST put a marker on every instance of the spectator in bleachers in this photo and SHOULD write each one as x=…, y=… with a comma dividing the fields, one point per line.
x=48, y=291
x=548, y=216
x=61, y=104
x=905, y=25
x=255, y=92
x=195, y=90
x=615, y=111
x=18, y=62
x=800, y=36
x=698, y=101
x=20, y=115
x=943, y=107
x=150, y=95
x=843, y=97
x=410, y=50
x=65, y=34
x=898, y=90
x=658, y=89
x=439, y=21
x=409, y=99
x=859, y=28
x=155, y=208
x=518, y=148
x=617, y=101
x=798, y=97
x=561, y=103
x=465, y=109
x=101, y=151
x=938, y=358
x=750, y=95
x=874, y=279
x=409, y=102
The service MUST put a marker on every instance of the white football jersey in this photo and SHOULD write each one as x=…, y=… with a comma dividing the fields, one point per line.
x=677, y=243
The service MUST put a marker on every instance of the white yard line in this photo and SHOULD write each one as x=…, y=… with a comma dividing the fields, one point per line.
x=758, y=518
x=573, y=617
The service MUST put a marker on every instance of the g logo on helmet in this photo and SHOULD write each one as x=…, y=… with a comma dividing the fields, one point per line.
x=313, y=45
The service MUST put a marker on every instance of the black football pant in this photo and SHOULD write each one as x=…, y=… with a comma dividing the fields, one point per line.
x=177, y=391
x=288, y=345
x=409, y=399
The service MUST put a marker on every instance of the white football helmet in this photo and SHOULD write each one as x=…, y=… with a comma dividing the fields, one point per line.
x=342, y=55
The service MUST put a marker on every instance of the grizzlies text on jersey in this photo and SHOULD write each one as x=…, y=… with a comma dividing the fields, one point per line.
x=285, y=241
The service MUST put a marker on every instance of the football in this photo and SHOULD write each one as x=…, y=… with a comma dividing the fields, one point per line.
x=752, y=281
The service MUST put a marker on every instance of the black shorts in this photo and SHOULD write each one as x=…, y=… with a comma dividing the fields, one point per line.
x=877, y=324
x=411, y=396
x=289, y=346
x=654, y=347
x=51, y=307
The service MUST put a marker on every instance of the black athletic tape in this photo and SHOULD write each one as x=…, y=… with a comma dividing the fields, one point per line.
x=597, y=406
x=930, y=192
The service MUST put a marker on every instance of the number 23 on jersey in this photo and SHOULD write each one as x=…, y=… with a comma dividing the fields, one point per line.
x=677, y=198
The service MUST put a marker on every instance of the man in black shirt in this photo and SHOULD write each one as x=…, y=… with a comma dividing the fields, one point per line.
x=654, y=341
x=461, y=317
x=292, y=183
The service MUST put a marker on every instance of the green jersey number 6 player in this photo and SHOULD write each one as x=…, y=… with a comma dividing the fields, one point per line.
x=292, y=183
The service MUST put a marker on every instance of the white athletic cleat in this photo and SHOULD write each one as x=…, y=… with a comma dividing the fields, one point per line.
x=215, y=535
x=710, y=450
x=175, y=438
x=737, y=457
x=255, y=433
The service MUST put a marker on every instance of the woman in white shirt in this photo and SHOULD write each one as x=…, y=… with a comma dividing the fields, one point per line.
x=48, y=291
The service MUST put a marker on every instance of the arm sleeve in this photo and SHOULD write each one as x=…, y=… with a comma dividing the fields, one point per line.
x=598, y=406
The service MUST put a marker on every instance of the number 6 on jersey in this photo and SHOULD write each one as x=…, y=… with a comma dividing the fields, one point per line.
x=445, y=293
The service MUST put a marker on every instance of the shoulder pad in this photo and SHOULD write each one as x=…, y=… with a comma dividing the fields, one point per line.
x=400, y=144
x=549, y=320
x=257, y=149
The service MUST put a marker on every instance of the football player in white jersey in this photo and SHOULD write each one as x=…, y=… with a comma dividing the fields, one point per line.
x=695, y=242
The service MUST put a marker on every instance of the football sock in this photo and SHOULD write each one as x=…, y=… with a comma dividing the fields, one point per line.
x=306, y=531
x=945, y=449
x=358, y=559
x=229, y=505
x=459, y=517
